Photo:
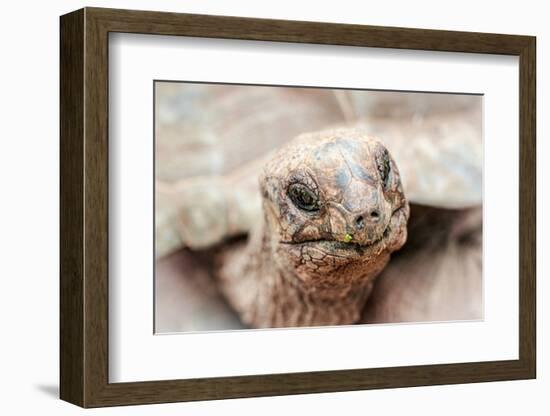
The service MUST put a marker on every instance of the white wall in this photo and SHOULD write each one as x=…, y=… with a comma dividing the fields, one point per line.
x=29, y=206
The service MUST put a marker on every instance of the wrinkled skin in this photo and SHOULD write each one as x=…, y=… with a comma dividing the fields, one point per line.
x=334, y=211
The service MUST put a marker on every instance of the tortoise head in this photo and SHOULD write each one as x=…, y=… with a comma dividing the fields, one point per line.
x=334, y=207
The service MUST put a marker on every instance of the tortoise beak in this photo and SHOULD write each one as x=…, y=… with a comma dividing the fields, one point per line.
x=363, y=228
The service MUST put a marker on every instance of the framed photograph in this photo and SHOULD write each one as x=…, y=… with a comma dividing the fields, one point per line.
x=255, y=207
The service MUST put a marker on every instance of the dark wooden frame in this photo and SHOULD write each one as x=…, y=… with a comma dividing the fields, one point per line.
x=84, y=207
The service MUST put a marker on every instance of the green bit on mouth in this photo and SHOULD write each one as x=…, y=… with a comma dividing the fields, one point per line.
x=348, y=238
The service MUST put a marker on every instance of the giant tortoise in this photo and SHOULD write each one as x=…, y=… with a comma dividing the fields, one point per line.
x=282, y=207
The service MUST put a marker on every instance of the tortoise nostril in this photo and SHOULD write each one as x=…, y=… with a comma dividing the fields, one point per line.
x=359, y=222
x=369, y=217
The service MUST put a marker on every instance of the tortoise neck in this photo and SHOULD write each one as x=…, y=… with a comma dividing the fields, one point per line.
x=281, y=303
x=270, y=294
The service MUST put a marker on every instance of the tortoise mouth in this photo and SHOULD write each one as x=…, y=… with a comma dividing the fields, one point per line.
x=343, y=249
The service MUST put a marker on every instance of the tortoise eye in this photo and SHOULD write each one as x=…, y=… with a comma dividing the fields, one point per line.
x=303, y=197
x=383, y=162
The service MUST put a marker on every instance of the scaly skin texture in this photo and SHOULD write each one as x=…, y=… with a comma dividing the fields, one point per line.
x=334, y=211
